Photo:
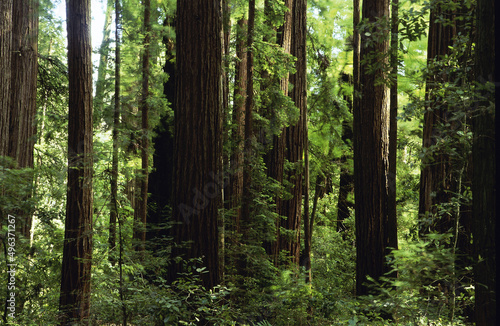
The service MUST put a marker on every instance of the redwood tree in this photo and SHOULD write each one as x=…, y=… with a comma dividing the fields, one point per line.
x=22, y=104
x=371, y=141
x=295, y=134
x=239, y=100
x=5, y=72
x=74, y=301
x=438, y=181
x=141, y=214
x=113, y=209
x=198, y=182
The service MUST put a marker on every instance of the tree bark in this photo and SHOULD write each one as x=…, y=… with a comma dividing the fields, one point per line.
x=484, y=168
x=5, y=73
x=239, y=100
x=275, y=158
x=24, y=69
x=74, y=302
x=371, y=142
x=140, y=223
x=437, y=180
x=113, y=210
x=295, y=136
x=198, y=180
x=249, y=150
x=393, y=131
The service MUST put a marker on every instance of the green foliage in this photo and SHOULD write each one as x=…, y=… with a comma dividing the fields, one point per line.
x=427, y=289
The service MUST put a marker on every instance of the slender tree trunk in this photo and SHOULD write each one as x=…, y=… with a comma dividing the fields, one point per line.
x=371, y=142
x=275, y=158
x=308, y=220
x=484, y=169
x=116, y=122
x=140, y=231
x=239, y=100
x=74, y=302
x=247, y=195
x=437, y=180
x=226, y=120
x=198, y=180
x=393, y=131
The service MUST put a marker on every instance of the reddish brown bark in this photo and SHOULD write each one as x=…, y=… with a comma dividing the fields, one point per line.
x=239, y=120
x=437, y=182
x=23, y=93
x=74, y=301
x=371, y=142
x=198, y=180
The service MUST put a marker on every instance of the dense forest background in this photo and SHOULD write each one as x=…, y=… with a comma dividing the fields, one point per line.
x=261, y=162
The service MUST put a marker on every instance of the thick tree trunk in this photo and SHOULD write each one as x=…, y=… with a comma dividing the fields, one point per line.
x=294, y=136
x=484, y=169
x=198, y=180
x=23, y=94
x=371, y=141
x=74, y=302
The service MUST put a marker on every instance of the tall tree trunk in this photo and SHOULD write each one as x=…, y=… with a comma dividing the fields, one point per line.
x=308, y=220
x=113, y=211
x=239, y=99
x=249, y=150
x=226, y=120
x=198, y=180
x=393, y=131
x=23, y=95
x=5, y=74
x=437, y=180
x=140, y=224
x=74, y=302
x=294, y=136
x=371, y=142
x=275, y=158
x=484, y=167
